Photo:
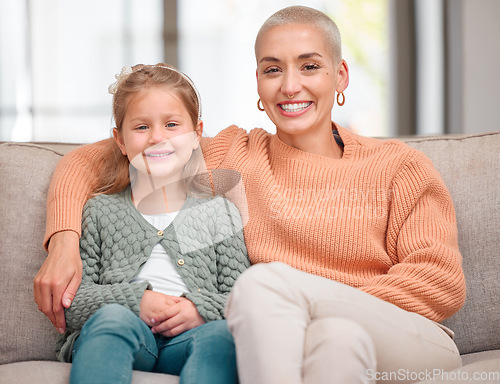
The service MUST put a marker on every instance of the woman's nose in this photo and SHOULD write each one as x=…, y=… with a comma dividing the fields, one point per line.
x=291, y=83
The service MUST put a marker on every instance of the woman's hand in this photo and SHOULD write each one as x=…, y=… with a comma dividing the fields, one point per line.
x=59, y=277
x=176, y=319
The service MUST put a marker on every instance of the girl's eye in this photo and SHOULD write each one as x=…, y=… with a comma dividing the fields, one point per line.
x=171, y=125
x=142, y=127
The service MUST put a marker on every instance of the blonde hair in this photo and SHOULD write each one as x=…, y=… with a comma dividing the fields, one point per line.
x=298, y=14
x=114, y=173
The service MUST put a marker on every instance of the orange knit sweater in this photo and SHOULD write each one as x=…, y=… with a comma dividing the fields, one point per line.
x=379, y=219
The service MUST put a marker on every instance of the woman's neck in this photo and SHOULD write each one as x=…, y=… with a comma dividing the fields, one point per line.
x=321, y=143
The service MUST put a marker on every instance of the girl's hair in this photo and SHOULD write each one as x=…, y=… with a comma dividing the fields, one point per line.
x=298, y=14
x=114, y=173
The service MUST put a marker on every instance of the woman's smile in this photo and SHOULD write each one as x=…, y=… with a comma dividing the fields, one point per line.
x=294, y=108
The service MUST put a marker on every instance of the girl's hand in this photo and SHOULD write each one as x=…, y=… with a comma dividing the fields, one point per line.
x=177, y=319
x=59, y=277
x=153, y=304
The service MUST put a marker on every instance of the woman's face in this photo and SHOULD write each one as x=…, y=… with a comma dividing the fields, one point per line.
x=293, y=61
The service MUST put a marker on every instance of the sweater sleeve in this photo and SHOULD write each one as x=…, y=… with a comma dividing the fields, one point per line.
x=231, y=261
x=75, y=178
x=72, y=183
x=92, y=295
x=426, y=276
x=217, y=148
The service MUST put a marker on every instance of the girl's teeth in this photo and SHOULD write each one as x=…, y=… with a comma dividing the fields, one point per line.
x=159, y=154
x=295, y=107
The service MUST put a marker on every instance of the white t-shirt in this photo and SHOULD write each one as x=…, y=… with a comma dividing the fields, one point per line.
x=159, y=270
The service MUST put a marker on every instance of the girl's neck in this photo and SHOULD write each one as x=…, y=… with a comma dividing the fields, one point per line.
x=152, y=197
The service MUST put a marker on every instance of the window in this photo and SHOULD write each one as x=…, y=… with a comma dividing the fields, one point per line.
x=216, y=48
x=57, y=59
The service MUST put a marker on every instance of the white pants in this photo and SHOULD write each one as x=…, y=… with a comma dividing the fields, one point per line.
x=292, y=327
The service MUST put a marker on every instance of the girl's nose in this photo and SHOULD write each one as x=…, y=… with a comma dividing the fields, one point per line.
x=291, y=83
x=157, y=135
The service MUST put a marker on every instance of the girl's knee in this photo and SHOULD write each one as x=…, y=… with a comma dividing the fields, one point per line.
x=111, y=317
x=218, y=330
x=215, y=333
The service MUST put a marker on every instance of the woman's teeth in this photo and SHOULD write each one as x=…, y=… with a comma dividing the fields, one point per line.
x=295, y=107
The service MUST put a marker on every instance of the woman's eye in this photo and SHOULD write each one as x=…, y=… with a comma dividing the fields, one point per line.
x=271, y=70
x=310, y=67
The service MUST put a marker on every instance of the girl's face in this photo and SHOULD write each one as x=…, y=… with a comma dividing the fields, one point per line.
x=158, y=135
x=293, y=61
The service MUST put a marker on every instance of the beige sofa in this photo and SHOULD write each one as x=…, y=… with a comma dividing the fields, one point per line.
x=469, y=165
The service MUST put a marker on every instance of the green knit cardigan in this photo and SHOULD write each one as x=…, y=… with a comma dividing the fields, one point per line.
x=204, y=241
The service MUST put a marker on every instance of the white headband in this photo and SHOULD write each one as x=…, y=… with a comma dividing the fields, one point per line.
x=126, y=71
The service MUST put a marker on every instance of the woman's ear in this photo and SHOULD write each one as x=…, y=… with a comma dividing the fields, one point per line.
x=119, y=141
x=199, y=131
x=342, y=76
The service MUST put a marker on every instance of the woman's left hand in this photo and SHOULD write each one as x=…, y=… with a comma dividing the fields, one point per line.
x=177, y=319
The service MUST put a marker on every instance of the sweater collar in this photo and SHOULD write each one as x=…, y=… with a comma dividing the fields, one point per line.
x=345, y=136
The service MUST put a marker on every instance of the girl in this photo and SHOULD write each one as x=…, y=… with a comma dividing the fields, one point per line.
x=154, y=246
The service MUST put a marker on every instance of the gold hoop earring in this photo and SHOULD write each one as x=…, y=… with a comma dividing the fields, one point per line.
x=338, y=99
x=259, y=107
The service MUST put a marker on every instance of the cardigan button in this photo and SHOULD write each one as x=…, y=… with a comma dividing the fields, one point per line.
x=160, y=233
x=180, y=262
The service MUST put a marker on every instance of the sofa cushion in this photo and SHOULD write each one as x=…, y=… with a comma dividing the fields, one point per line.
x=470, y=169
x=479, y=356
x=25, y=171
x=43, y=372
x=481, y=372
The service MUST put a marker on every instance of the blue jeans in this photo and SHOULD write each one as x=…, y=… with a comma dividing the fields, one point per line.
x=114, y=341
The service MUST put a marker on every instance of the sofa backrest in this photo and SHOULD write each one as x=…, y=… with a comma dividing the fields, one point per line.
x=25, y=173
x=469, y=166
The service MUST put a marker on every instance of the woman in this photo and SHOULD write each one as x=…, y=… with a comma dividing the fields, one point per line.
x=364, y=230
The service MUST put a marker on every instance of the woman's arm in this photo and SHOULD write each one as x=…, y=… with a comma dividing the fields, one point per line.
x=73, y=182
x=422, y=240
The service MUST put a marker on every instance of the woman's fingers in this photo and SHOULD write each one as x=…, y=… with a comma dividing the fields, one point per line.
x=59, y=277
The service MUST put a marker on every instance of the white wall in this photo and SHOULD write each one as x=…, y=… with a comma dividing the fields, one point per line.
x=481, y=66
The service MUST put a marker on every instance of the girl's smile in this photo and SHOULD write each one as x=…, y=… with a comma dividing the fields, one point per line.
x=158, y=155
